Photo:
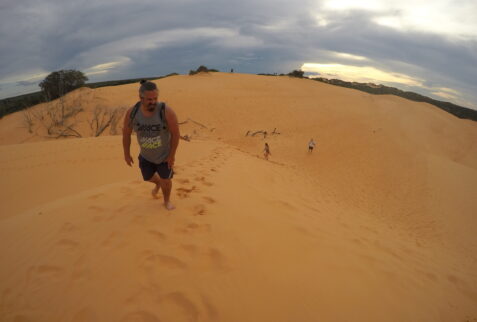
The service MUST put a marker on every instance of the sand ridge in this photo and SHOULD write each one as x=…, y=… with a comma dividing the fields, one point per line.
x=376, y=224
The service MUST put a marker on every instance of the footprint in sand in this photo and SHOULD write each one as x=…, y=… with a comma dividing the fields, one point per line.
x=43, y=273
x=203, y=181
x=126, y=190
x=113, y=241
x=152, y=261
x=213, y=257
x=210, y=310
x=68, y=244
x=183, y=181
x=190, y=249
x=98, y=219
x=428, y=275
x=67, y=228
x=80, y=275
x=194, y=227
x=306, y=232
x=157, y=235
x=49, y=270
x=463, y=287
x=85, y=315
x=140, y=316
x=199, y=210
x=139, y=219
x=96, y=196
x=21, y=318
x=179, y=306
x=185, y=192
x=209, y=200
x=96, y=208
x=121, y=209
x=217, y=259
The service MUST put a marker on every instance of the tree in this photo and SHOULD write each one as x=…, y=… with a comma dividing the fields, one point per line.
x=297, y=73
x=202, y=69
x=61, y=82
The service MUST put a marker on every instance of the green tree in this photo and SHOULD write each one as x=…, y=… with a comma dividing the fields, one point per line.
x=202, y=69
x=297, y=73
x=61, y=82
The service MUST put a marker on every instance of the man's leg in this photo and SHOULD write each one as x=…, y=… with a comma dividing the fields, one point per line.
x=166, y=186
x=156, y=180
x=148, y=171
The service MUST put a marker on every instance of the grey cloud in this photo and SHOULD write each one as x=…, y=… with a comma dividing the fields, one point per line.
x=55, y=31
x=270, y=36
x=26, y=83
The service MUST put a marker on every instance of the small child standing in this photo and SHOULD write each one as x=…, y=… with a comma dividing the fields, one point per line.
x=311, y=145
x=266, y=151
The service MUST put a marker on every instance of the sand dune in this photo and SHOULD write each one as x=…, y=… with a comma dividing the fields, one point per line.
x=377, y=224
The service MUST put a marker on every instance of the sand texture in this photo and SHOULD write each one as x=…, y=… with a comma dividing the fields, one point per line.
x=378, y=223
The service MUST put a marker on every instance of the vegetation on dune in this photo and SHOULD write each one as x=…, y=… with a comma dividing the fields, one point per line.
x=58, y=83
x=72, y=79
x=456, y=110
x=202, y=69
x=296, y=73
x=62, y=117
x=18, y=103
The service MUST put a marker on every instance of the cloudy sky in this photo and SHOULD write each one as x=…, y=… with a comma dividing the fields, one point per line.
x=429, y=47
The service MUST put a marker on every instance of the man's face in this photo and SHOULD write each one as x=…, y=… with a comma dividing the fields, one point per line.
x=149, y=100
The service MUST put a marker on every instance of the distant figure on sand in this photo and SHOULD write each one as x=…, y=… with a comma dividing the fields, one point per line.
x=266, y=151
x=311, y=145
x=155, y=124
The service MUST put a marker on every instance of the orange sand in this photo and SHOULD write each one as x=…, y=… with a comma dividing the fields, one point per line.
x=377, y=224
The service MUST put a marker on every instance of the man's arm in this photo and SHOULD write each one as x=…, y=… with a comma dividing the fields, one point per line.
x=173, y=126
x=127, y=131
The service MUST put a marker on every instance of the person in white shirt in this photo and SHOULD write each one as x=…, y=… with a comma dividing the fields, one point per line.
x=311, y=145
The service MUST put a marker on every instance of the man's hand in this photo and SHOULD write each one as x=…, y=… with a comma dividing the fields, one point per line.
x=129, y=160
x=170, y=161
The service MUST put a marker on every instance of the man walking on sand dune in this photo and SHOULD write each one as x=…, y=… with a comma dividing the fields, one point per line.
x=155, y=124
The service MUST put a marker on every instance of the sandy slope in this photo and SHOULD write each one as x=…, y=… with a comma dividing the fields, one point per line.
x=378, y=224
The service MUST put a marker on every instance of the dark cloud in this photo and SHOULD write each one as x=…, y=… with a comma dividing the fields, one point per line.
x=26, y=83
x=160, y=37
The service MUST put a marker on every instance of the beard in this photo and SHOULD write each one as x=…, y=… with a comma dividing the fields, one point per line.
x=151, y=107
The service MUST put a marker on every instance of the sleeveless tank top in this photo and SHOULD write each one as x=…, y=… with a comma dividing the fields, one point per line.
x=153, y=136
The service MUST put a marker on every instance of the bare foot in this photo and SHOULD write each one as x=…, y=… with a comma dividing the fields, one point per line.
x=169, y=206
x=155, y=191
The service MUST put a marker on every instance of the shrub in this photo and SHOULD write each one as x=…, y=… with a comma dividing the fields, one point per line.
x=61, y=82
x=296, y=73
x=202, y=69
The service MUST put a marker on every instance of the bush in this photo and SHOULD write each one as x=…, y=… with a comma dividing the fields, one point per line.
x=61, y=82
x=202, y=69
x=296, y=73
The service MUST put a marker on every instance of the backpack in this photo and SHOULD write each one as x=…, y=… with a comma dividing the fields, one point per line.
x=162, y=113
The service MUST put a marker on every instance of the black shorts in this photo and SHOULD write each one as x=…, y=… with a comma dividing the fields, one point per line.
x=148, y=169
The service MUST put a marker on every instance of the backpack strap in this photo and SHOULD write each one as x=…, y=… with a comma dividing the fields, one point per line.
x=162, y=113
x=133, y=113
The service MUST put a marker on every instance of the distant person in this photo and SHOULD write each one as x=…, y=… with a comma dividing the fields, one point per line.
x=232, y=70
x=155, y=124
x=266, y=151
x=311, y=145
